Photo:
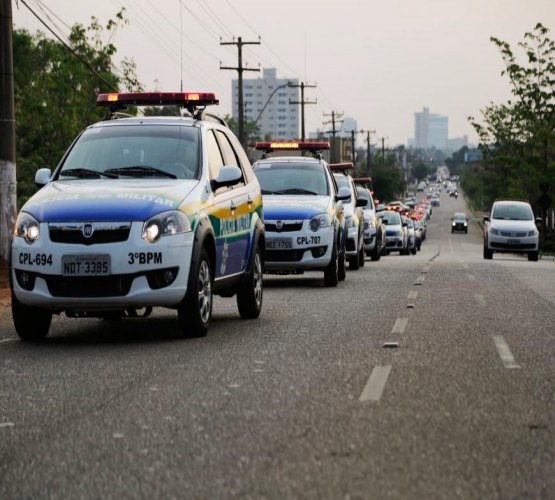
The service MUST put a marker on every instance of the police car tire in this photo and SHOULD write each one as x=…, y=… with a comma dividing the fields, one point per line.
x=361, y=256
x=195, y=311
x=331, y=272
x=375, y=254
x=250, y=293
x=342, y=266
x=354, y=263
x=31, y=323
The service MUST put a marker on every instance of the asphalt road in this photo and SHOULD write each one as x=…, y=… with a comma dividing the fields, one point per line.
x=427, y=376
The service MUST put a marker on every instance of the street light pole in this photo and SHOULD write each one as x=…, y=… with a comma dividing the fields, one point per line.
x=279, y=87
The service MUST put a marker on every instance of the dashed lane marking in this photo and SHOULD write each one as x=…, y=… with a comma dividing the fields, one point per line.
x=478, y=297
x=412, y=295
x=505, y=352
x=373, y=389
x=400, y=325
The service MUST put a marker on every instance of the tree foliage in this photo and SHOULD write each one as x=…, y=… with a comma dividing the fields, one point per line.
x=517, y=138
x=388, y=182
x=55, y=92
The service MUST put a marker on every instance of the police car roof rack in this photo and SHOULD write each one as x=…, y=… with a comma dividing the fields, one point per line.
x=194, y=102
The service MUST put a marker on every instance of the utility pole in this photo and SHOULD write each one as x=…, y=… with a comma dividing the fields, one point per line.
x=368, y=150
x=334, y=131
x=240, y=68
x=383, y=152
x=8, y=197
x=302, y=102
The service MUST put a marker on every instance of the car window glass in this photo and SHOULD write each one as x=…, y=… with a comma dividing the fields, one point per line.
x=215, y=159
x=172, y=149
x=292, y=178
x=230, y=157
x=242, y=156
x=512, y=212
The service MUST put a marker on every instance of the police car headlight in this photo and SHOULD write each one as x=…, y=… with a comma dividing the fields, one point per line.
x=27, y=227
x=320, y=220
x=534, y=232
x=165, y=224
x=494, y=231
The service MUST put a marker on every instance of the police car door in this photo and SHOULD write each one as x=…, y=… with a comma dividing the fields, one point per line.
x=223, y=212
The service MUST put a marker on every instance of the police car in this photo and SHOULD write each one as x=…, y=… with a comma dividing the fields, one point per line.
x=141, y=212
x=353, y=215
x=374, y=240
x=303, y=213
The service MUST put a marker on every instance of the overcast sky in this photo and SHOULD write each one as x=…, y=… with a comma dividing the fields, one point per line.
x=377, y=61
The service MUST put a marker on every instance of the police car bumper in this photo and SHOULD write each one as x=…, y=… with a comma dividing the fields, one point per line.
x=299, y=250
x=393, y=243
x=131, y=273
x=352, y=241
x=370, y=240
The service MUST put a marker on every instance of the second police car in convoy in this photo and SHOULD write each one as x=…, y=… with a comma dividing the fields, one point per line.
x=303, y=210
x=141, y=212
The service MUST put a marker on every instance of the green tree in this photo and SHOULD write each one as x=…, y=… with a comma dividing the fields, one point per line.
x=388, y=182
x=517, y=139
x=420, y=170
x=55, y=92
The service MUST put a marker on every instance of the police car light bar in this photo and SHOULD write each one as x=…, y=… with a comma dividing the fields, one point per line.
x=362, y=180
x=185, y=99
x=269, y=146
x=341, y=167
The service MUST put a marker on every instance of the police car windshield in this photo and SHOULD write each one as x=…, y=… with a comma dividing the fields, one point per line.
x=292, y=178
x=512, y=212
x=391, y=218
x=135, y=151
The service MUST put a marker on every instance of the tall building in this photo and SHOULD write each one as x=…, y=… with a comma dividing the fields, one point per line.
x=431, y=130
x=266, y=102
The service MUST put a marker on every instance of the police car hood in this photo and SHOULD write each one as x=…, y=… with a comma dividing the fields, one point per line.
x=107, y=199
x=283, y=207
x=513, y=225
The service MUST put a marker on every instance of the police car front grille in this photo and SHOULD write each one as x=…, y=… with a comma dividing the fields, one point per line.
x=288, y=226
x=102, y=232
x=89, y=286
x=294, y=255
x=513, y=234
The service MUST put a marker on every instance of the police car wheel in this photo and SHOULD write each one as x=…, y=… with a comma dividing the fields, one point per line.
x=361, y=256
x=331, y=272
x=249, y=295
x=354, y=263
x=195, y=310
x=342, y=266
x=31, y=323
x=375, y=253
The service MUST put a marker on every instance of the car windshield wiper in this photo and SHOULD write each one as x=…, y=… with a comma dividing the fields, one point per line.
x=87, y=173
x=269, y=191
x=141, y=171
x=296, y=191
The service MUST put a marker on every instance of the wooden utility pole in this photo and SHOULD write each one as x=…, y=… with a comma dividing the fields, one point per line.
x=8, y=197
x=334, y=131
x=368, y=151
x=302, y=102
x=240, y=68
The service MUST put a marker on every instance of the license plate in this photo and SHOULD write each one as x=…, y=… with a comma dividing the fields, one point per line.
x=279, y=244
x=513, y=241
x=86, y=265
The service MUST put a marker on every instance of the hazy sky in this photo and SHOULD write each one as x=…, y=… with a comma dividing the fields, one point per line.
x=377, y=61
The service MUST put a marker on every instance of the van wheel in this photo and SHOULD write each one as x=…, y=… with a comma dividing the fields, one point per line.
x=249, y=295
x=195, y=311
x=533, y=256
x=488, y=254
x=342, y=266
x=31, y=323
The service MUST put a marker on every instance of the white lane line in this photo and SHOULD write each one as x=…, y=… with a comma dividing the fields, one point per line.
x=376, y=383
x=504, y=352
x=400, y=325
x=412, y=295
x=4, y=341
x=478, y=297
x=6, y=424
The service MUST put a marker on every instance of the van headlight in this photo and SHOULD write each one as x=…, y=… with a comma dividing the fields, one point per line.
x=27, y=227
x=320, y=220
x=165, y=224
x=534, y=232
x=494, y=231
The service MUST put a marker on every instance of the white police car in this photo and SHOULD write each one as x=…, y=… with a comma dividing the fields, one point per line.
x=141, y=212
x=374, y=239
x=303, y=214
x=353, y=215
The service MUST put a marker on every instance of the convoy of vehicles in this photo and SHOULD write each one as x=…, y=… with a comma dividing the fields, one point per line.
x=168, y=212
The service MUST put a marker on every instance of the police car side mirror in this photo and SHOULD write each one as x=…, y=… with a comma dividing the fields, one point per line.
x=344, y=194
x=362, y=202
x=229, y=176
x=42, y=176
